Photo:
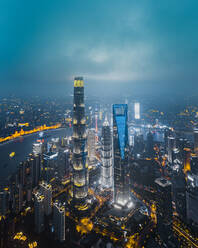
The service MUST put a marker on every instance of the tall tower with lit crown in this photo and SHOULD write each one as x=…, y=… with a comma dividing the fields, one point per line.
x=80, y=171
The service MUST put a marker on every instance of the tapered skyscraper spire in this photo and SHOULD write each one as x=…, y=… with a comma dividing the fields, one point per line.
x=121, y=153
x=106, y=168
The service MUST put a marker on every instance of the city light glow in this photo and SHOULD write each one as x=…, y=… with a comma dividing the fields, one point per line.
x=137, y=110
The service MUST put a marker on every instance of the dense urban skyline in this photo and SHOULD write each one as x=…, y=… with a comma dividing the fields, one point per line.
x=98, y=124
x=130, y=45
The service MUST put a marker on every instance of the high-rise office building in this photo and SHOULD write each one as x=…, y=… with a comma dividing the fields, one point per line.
x=107, y=167
x=192, y=200
x=121, y=154
x=194, y=164
x=46, y=190
x=35, y=167
x=37, y=148
x=171, y=147
x=21, y=171
x=137, y=110
x=150, y=145
x=63, y=163
x=39, y=212
x=166, y=135
x=17, y=197
x=186, y=160
x=80, y=170
x=91, y=140
x=16, y=194
x=164, y=200
x=179, y=193
x=4, y=195
x=164, y=208
x=138, y=146
x=196, y=141
x=59, y=221
x=49, y=164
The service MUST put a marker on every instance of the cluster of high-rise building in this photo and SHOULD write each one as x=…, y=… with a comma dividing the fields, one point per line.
x=114, y=151
x=113, y=177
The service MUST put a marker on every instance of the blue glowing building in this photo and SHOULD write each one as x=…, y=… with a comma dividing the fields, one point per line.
x=121, y=153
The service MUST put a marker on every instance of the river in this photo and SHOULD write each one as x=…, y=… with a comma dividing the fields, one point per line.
x=22, y=147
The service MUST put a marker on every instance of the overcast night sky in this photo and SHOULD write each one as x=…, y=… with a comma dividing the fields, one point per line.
x=142, y=46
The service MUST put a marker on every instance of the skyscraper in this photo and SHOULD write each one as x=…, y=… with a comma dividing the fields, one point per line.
x=91, y=140
x=164, y=200
x=39, y=212
x=192, y=200
x=107, y=168
x=150, y=145
x=196, y=141
x=3, y=202
x=22, y=168
x=59, y=221
x=137, y=110
x=46, y=190
x=80, y=172
x=37, y=148
x=120, y=152
x=35, y=166
x=179, y=192
x=171, y=147
x=49, y=165
x=164, y=207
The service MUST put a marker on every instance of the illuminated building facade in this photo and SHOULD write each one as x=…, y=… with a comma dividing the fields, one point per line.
x=194, y=164
x=187, y=160
x=196, y=141
x=37, y=148
x=80, y=171
x=46, y=190
x=137, y=110
x=121, y=153
x=171, y=147
x=91, y=140
x=59, y=221
x=106, y=168
x=192, y=200
x=39, y=212
x=138, y=145
x=49, y=165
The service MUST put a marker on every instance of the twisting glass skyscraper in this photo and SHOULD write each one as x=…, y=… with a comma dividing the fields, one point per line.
x=107, y=168
x=121, y=154
x=80, y=173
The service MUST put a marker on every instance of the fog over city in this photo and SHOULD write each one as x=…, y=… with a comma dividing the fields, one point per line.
x=98, y=123
x=133, y=47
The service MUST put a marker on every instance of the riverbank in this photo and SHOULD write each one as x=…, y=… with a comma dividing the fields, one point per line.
x=22, y=148
x=22, y=133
